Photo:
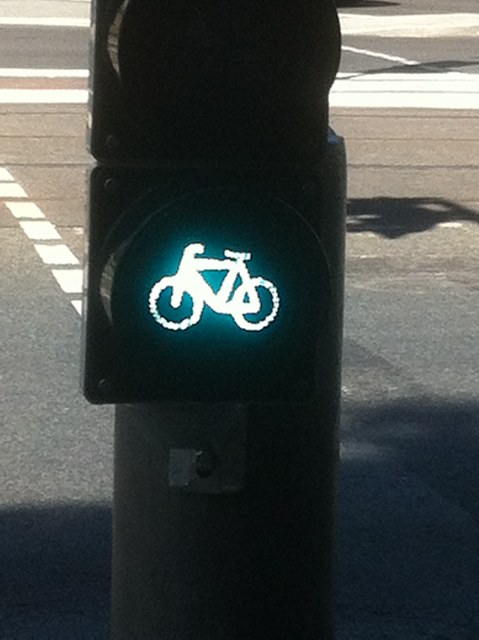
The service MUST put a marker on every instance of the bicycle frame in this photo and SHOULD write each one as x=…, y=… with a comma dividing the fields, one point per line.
x=188, y=279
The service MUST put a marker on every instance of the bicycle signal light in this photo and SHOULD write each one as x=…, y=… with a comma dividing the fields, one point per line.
x=204, y=297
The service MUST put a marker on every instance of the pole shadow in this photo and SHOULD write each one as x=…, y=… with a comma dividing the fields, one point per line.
x=396, y=217
x=436, y=66
x=55, y=572
x=408, y=544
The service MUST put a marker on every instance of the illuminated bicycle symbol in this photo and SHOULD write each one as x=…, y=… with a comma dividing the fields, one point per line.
x=237, y=303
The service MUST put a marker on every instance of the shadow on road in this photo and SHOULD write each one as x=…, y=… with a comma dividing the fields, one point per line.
x=408, y=544
x=55, y=572
x=396, y=217
x=437, y=66
x=433, y=439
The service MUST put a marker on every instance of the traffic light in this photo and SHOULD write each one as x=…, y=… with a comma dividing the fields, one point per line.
x=214, y=246
x=177, y=80
x=212, y=313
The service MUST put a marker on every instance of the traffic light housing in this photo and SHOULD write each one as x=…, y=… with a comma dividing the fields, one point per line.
x=213, y=265
x=244, y=80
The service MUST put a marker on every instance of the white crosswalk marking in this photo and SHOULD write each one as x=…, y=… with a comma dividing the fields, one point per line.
x=11, y=190
x=452, y=90
x=70, y=280
x=43, y=73
x=56, y=254
x=43, y=96
x=439, y=25
x=21, y=21
x=28, y=210
x=39, y=230
x=43, y=86
x=5, y=176
x=77, y=305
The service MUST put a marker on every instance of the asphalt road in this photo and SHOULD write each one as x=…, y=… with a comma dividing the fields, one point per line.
x=43, y=47
x=409, y=511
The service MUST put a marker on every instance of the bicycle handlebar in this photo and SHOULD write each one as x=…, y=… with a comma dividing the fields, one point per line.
x=237, y=255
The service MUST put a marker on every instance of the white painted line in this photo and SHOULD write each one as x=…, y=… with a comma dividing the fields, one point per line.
x=27, y=210
x=450, y=225
x=56, y=254
x=411, y=82
x=43, y=73
x=39, y=230
x=21, y=21
x=43, y=96
x=77, y=304
x=11, y=190
x=70, y=280
x=5, y=176
x=408, y=90
x=383, y=56
x=404, y=101
x=438, y=25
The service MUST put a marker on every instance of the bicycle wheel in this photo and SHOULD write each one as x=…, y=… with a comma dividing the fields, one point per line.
x=256, y=322
x=159, y=298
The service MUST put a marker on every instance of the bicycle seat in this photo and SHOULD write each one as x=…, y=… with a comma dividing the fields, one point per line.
x=194, y=248
x=237, y=255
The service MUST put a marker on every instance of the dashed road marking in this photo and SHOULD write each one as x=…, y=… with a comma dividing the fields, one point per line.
x=69, y=280
x=28, y=210
x=10, y=189
x=5, y=176
x=77, y=305
x=46, y=239
x=39, y=230
x=56, y=254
